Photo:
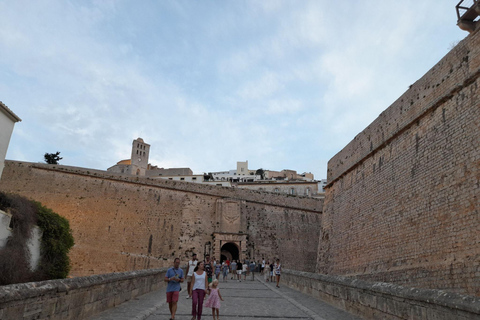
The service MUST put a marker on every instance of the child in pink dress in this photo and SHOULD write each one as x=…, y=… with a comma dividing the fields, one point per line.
x=214, y=299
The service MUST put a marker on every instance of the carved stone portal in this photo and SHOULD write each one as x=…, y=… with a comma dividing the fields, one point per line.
x=229, y=246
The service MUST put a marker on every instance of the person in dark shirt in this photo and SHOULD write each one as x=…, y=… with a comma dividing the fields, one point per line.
x=271, y=272
x=239, y=270
x=209, y=268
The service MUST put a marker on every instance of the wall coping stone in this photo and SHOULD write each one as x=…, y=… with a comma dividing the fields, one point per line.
x=22, y=291
x=438, y=297
x=293, y=202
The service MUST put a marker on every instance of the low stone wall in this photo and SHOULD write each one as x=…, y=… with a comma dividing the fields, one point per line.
x=376, y=300
x=76, y=298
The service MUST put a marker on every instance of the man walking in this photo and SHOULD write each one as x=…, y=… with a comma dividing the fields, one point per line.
x=191, y=266
x=174, y=277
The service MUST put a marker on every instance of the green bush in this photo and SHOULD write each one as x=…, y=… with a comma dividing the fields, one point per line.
x=57, y=240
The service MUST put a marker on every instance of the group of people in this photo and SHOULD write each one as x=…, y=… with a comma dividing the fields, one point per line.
x=200, y=282
x=265, y=268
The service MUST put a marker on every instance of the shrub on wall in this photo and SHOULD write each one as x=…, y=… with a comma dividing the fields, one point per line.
x=57, y=240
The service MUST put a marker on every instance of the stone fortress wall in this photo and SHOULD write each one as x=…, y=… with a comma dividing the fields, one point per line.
x=130, y=223
x=403, y=198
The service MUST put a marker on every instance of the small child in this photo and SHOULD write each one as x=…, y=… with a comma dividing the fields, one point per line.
x=214, y=299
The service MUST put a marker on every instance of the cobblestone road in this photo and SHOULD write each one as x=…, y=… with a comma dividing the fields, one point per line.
x=246, y=300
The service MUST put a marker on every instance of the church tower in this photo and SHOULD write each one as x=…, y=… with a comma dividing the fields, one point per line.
x=139, y=159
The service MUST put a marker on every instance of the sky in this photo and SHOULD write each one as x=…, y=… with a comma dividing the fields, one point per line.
x=282, y=84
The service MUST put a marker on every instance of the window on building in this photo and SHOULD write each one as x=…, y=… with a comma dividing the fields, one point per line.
x=276, y=190
x=194, y=178
x=170, y=178
x=292, y=191
x=182, y=179
x=307, y=191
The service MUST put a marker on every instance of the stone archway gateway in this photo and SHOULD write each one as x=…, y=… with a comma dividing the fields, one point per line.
x=229, y=246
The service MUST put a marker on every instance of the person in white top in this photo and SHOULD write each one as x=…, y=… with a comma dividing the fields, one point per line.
x=191, y=266
x=200, y=286
x=278, y=271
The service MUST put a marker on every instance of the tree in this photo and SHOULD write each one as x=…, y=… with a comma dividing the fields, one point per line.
x=208, y=177
x=260, y=172
x=52, y=158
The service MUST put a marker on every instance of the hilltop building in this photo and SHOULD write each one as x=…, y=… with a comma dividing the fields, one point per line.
x=138, y=164
x=285, y=181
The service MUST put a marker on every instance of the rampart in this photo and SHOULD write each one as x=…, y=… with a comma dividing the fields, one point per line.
x=78, y=298
x=129, y=223
x=402, y=201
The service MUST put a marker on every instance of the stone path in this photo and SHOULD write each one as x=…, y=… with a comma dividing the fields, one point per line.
x=246, y=300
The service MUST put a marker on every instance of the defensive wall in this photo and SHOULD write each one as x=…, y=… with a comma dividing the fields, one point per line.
x=131, y=223
x=402, y=201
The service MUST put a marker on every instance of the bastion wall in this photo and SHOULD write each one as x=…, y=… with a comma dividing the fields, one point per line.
x=402, y=201
x=130, y=223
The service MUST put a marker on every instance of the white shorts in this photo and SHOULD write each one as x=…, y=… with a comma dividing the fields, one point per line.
x=239, y=271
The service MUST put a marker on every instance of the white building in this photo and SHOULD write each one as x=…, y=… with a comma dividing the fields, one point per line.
x=195, y=178
x=294, y=188
x=7, y=122
x=241, y=174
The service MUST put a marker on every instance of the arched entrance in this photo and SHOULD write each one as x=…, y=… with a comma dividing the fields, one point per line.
x=229, y=251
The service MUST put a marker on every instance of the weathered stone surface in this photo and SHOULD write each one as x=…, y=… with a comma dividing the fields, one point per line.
x=129, y=223
x=77, y=298
x=373, y=300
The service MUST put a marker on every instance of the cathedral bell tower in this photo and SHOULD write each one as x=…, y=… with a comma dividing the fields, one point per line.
x=139, y=159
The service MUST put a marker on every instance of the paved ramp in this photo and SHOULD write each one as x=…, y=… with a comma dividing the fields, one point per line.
x=246, y=300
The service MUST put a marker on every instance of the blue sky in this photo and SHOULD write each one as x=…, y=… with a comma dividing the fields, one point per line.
x=282, y=84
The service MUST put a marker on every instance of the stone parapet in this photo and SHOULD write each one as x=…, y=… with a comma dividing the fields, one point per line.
x=377, y=300
x=77, y=298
